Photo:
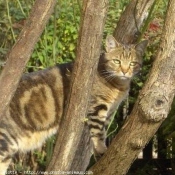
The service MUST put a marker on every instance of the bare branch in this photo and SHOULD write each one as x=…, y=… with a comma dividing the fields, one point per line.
x=22, y=50
x=88, y=52
x=127, y=30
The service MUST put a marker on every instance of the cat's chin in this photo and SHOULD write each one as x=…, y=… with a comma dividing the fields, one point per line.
x=124, y=78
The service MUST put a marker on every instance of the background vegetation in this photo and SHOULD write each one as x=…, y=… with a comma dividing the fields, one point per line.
x=58, y=45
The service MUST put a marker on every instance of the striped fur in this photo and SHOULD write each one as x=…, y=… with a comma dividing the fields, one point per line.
x=35, y=111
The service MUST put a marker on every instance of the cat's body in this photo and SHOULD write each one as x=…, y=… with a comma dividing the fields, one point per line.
x=35, y=111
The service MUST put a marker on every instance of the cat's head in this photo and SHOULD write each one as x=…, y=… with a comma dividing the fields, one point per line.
x=122, y=62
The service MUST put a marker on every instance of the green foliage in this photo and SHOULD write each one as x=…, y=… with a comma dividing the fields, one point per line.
x=114, y=12
x=58, y=41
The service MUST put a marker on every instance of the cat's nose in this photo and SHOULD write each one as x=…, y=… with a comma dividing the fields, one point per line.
x=124, y=71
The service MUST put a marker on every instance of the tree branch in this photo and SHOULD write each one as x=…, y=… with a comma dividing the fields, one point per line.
x=150, y=110
x=128, y=27
x=88, y=52
x=22, y=50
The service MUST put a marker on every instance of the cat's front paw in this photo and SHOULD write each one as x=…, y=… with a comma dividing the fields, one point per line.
x=99, y=150
x=97, y=156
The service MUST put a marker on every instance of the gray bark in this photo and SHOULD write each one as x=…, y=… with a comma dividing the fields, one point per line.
x=128, y=27
x=88, y=52
x=22, y=50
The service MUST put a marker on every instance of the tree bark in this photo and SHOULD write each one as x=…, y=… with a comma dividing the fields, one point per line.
x=128, y=27
x=150, y=110
x=83, y=153
x=22, y=50
x=88, y=52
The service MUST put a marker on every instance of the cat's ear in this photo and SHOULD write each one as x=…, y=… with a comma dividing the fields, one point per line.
x=111, y=43
x=140, y=47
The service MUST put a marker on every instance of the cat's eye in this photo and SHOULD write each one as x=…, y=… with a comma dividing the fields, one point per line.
x=116, y=61
x=133, y=63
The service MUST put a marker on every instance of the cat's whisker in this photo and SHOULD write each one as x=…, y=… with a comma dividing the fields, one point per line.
x=108, y=72
x=108, y=75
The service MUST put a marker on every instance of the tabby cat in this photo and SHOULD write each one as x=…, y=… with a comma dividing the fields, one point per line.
x=35, y=110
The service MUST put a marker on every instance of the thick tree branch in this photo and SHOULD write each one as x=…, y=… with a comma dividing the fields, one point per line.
x=22, y=50
x=88, y=52
x=83, y=153
x=127, y=29
x=150, y=110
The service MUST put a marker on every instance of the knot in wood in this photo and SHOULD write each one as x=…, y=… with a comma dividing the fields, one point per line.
x=137, y=143
x=154, y=106
x=159, y=103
